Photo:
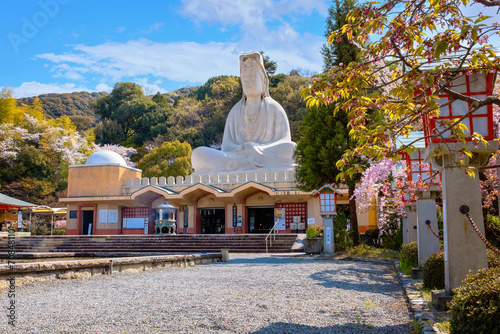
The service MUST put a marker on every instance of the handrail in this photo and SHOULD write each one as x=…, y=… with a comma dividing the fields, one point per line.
x=269, y=234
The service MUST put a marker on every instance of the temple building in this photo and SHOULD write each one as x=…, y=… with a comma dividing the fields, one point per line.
x=107, y=197
x=246, y=187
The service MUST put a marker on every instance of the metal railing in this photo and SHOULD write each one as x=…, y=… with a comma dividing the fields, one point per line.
x=273, y=234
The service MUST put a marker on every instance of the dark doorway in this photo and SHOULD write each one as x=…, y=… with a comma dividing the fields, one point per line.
x=212, y=221
x=260, y=220
x=87, y=220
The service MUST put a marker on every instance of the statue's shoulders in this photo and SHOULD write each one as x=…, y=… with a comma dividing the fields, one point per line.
x=274, y=106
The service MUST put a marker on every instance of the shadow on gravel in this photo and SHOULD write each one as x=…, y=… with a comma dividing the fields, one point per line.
x=282, y=327
x=271, y=260
x=375, y=281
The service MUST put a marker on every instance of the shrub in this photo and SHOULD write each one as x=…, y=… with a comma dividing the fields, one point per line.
x=409, y=256
x=314, y=231
x=433, y=271
x=493, y=259
x=371, y=237
x=343, y=236
x=476, y=304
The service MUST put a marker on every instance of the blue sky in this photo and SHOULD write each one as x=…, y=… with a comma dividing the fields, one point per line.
x=56, y=46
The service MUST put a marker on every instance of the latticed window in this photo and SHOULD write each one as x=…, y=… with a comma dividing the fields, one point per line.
x=327, y=202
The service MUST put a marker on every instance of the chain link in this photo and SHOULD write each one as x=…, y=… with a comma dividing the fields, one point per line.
x=481, y=236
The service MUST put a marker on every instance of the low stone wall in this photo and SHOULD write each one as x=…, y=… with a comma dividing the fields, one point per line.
x=24, y=273
x=219, y=179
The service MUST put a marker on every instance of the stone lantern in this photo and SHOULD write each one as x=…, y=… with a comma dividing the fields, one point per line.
x=327, y=196
x=166, y=218
x=463, y=249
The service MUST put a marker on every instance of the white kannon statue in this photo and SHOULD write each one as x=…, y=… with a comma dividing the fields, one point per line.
x=257, y=132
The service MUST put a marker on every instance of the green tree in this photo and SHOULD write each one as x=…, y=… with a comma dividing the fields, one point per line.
x=159, y=99
x=108, y=106
x=170, y=159
x=269, y=65
x=109, y=132
x=339, y=49
x=325, y=134
x=9, y=111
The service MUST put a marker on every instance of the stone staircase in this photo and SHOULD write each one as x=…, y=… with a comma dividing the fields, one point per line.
x=180, y=243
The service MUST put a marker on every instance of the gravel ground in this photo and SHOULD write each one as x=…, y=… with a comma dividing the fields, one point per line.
x=252, y=293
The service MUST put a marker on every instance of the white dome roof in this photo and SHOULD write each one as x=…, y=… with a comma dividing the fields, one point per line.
x=105, y=158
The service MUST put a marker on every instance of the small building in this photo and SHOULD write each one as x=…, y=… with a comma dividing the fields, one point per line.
x=107, y=197
x=10, y=213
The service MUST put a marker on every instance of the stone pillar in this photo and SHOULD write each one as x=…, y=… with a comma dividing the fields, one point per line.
x=428, y=243
x=410, y=224
x=463, y=249
x=328, y=242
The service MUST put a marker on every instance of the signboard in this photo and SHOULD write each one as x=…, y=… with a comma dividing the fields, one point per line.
x=112, y=216
x=103, y=216
x=311, y=221
x=280, y=219
x=239, y=222
x=135, y=217
x=328, y=235
x=186, y=215
x=73, y=214
x=19, y=219
x=235, y=216
x=146, y=225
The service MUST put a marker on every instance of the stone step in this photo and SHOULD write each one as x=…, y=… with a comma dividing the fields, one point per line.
x=150, y=243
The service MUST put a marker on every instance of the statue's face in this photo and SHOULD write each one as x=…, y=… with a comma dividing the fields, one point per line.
x=251, y=77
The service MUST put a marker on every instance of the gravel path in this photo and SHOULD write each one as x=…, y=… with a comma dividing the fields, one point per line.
x=252, y=293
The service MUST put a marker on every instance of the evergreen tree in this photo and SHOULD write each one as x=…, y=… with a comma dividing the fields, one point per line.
x=325, y=132
x=270, y=65
x=338, y=51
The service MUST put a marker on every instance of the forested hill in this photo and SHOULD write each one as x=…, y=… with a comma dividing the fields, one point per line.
x=77, y=105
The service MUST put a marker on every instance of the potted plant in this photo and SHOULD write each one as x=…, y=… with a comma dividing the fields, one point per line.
x=314, y=240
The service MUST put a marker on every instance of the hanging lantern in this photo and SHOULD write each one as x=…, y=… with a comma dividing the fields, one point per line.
x=475, y=85
x=418, y=169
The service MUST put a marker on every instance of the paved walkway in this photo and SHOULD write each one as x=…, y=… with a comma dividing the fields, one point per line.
x=252, y=293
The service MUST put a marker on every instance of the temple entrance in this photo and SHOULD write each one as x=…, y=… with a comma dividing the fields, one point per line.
x=260, y=220
x=212, y=221
x=87, y=221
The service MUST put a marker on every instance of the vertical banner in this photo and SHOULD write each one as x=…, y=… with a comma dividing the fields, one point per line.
x=146, y=226
x=19, y=220
x=235, y=216
x=186, y=215
x=279, y=219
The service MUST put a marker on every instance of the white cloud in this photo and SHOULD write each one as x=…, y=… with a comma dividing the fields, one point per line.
x=34, y=88
x=249, y=13
x=152, y=28
x=180, y=61
x=148, y=88
x=183, y=61
x=264, y=24
x=102, y=87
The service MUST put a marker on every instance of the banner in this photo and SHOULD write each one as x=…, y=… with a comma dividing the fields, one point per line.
x=279, y=219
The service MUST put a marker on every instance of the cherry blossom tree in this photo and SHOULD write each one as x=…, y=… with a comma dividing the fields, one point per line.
x=425, y=45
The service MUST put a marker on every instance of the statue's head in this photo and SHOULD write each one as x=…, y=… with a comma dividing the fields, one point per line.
x=254, y=80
